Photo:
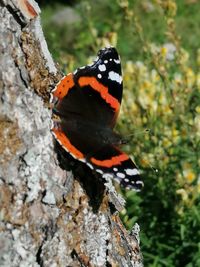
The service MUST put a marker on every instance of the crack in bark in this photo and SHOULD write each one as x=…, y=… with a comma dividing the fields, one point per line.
x=15, y=16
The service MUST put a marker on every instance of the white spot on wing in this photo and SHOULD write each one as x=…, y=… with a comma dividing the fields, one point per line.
x=132, y=171
x=99, y=76
x=120, y=175
x=140, y=182
x=114, y=76
x=115, y=169
x=82, y=160
x=106, y=61
x=102, y=67
x=90, y=165
x=107, y=176
x=117, y=61
x=99, y=171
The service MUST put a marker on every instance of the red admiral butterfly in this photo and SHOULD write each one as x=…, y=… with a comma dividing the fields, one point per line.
x=87, y=103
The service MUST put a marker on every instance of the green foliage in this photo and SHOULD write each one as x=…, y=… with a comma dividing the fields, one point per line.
x=159, y=45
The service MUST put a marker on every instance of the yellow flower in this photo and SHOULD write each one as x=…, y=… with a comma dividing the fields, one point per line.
x=110, y=39
x=183, y=194
x=162, y=99
x=142, y=70
x=166, y=142
x=184, y=133
x=168, y=51
x=197, y=109
x=163, y=52
x=190, y=77
x=167, y=109
x=175, y=133
x=144, y=162
x=188, y=173
x=154, y=76
x=178, y=79
x=144, y=120
x=129, y=67
x=183, y=57
x=190, y=176
x=198, y=80
x=144, y=99
x=154, y=106
x=165, y=160
x=154, y=49
x=113, y=38
x=180, y=211
x=170, y=7
x=134, y=108
x=147, y=85
x=94, y=32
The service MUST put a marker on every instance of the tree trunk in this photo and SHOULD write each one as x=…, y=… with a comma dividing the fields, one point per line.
x=47, y=218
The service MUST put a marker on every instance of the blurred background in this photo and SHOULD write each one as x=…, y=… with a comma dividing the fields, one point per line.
x=159, y=45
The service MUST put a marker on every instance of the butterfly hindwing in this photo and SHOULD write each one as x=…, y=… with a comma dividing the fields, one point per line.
x=112, y=162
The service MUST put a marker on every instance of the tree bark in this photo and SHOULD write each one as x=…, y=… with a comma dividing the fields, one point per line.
x=47, y=217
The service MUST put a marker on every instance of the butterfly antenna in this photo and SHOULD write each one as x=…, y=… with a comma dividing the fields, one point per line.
x=153, y=168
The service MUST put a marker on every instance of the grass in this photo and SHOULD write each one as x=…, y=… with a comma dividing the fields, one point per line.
x=159, y=94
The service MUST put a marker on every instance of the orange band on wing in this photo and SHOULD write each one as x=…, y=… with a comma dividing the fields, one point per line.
x=110, y=162
x=64, y=141
x=64, y=86
x=103, y=90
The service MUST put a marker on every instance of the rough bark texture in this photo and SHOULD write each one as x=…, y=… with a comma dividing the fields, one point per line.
x=46, y=217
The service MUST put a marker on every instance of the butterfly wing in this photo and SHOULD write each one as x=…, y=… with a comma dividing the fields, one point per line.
x=94, y=91
x=105, y=159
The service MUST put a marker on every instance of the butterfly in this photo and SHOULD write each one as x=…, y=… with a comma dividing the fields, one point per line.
x=87, y=103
